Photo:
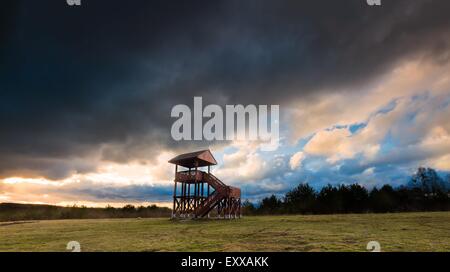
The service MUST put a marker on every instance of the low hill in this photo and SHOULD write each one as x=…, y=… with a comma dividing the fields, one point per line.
x=19, y=212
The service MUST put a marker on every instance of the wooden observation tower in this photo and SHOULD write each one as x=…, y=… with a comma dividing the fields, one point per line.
x=198, y=193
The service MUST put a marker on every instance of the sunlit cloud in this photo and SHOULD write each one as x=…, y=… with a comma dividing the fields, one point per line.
x=296, y=160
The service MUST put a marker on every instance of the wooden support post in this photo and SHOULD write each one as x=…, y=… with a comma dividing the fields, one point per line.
x=174, y=191
x=195, y=195
x=189, y=199
x=183, y=199
x=174, y=198
x=202, y=190
x=196, y=188
x=198, y=193
x=240, y=206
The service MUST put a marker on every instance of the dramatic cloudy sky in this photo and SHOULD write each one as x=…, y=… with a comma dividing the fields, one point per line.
x=86, y=93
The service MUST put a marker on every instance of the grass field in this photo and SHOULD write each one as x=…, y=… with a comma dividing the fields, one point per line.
x=395, y=232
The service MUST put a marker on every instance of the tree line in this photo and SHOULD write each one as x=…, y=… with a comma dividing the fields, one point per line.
x=20, y=212
x=426, y=191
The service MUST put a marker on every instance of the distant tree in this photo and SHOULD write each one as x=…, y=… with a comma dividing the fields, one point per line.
x=383, y=200
x=409, y=199
x=111, y=211
x=248, y=208
x=357, y=199
x=428, y=180
x=128, y=208
x=345, y=196
x=301, y=199
x=329, y=200
x=270, y=205
x=447, y=183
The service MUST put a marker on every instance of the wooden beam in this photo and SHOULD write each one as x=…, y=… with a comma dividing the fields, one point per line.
x=174, y=197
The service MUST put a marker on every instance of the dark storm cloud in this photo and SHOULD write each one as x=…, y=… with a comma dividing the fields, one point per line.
x=106, y=74
x=121, y=193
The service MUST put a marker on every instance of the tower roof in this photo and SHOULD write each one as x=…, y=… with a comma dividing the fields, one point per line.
x=195, y=159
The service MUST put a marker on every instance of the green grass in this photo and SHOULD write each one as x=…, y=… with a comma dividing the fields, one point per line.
x=395, y=232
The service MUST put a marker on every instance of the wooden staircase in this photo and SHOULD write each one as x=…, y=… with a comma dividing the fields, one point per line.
x=208, y=204
x=220, y=192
